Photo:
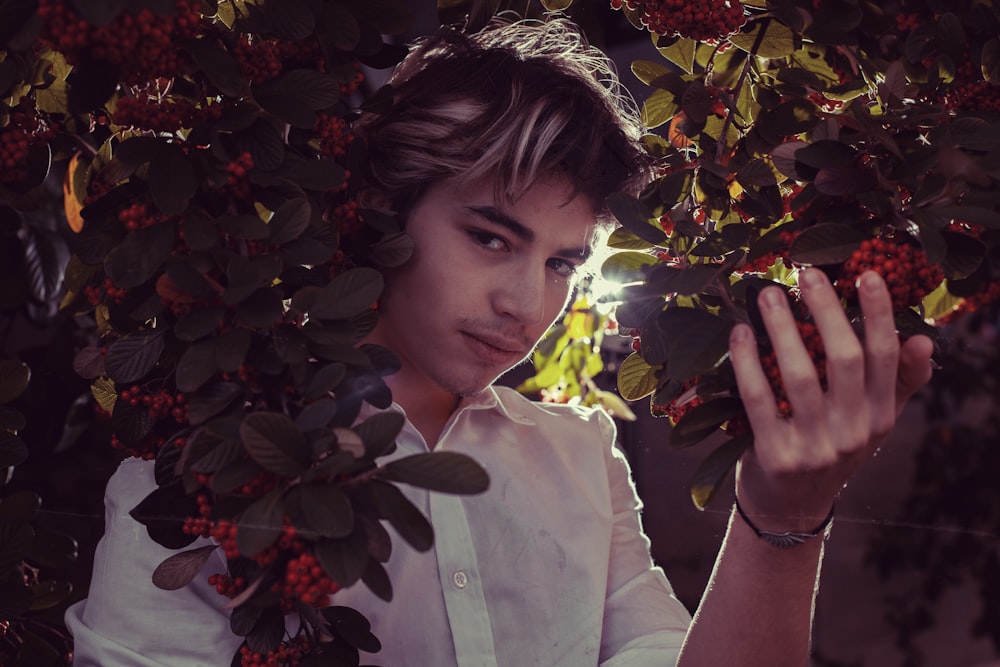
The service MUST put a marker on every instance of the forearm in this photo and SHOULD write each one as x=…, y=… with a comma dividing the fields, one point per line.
x=758, y=606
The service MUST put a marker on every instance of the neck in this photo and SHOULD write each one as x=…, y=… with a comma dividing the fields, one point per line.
x=428, y=408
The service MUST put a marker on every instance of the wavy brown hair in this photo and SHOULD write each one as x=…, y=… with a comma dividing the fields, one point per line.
x=518, y=100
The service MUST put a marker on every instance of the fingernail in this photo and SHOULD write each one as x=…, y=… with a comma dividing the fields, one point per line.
x=871, y=282
x=810, y=278
x=771, y=297
x=740, y=333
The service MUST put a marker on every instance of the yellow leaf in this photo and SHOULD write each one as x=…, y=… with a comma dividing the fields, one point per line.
x=636, y=378
x=614, y=405
x=939, y=303
x=104, y=393
x=73, y=188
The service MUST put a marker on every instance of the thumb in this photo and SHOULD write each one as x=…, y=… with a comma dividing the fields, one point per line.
x=914, y=368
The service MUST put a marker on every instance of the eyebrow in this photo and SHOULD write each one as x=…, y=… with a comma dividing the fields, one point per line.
x=497, y=217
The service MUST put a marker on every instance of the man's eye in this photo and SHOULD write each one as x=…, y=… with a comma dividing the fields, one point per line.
x=488, y=240
x=562, y=267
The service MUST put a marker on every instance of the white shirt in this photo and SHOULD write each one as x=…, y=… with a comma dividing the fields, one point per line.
x=548, y=567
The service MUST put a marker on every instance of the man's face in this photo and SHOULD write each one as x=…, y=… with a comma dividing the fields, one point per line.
x=485, y=281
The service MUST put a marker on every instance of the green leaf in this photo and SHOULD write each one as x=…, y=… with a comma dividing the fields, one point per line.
x=635, y=217
x=179, y=570
x=196, y=366
x=199, y=323
x=674, y=187
x=624, y=267
x=49, y=594
x=325, y=380
x=324, y=509
x=348, y=294
x=714, y=469
x=99, y=12
x=825, y=243
x=409, y=522
x=313, y=89
x=13, y=450
x=290, y=19
x=344, y=559
x=704, y=420
x=965, y=255
x=14, y=378
x=173, y=179
x=352, y=626
x=446, y=472
x=131, y=358
x=276, y=443
x=262, y=309
x=379, y=432
x=777, y=40
x=697, y=341
x=377, y=579
x=52, y=548
x=636, y=378
x=260, y=524
x=217, y=64
x=289, y=221
x=20, y=505
x=233, y=475
x=141, y=255
x=339, y=27
x=231, y=349
x=15, y=542
x=622, y=239
x=658, y=108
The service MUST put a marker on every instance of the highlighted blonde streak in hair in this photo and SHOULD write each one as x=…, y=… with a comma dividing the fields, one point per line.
x=518, y=101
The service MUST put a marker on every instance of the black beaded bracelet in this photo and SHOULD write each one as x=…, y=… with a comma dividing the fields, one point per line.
x=788, y=539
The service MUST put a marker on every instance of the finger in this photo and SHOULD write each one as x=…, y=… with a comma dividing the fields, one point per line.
x=798, y=372
x=914, y=368
x=845, y=360
x=755, y=390
x=881, y=350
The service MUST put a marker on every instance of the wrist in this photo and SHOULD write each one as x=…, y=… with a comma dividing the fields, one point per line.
x=784, y=537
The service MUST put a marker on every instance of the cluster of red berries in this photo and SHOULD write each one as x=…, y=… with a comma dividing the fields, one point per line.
x=355, y=83
x=145, y=449
x=676, y=409
x=814, y=346
x=333, y=134
x=263, y=59
x=107, y=289
x=763, y=263
x=345, y=217
x=703, y=20
x=141, y=43
x=161, y=114
x=238, y=176
x=200, y=525
x=904, y=268
x=139, y=216
x=24, y=130
x=160, y=404
x=228, y=586
x=970, y=92
x=286, y=655
x=306, y=580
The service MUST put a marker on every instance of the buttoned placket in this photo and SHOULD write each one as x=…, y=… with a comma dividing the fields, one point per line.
x=465, y=602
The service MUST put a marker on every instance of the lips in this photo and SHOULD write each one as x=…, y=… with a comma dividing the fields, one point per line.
x=494, y=348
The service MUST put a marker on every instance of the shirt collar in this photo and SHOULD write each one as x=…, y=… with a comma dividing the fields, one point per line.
x=503, y=400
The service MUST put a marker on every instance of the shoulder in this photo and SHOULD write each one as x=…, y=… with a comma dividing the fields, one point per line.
x=574, y=418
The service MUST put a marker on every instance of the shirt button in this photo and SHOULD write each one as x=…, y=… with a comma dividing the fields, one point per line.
x=460, y=579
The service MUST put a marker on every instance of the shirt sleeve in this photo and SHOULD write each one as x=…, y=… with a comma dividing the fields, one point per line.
x=644, y=623
x=127, y=621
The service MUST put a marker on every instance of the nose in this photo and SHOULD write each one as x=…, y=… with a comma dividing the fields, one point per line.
x=523, y=295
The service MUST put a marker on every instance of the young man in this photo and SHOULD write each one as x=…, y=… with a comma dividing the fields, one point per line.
x=498, y=153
